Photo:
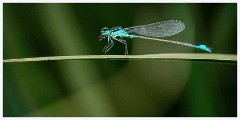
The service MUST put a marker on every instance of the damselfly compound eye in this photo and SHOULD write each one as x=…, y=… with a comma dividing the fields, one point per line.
x=104, y=29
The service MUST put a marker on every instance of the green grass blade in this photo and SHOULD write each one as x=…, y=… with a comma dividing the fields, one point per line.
x=220, y=58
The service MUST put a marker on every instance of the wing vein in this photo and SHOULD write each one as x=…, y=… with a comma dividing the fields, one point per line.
x=158, y=29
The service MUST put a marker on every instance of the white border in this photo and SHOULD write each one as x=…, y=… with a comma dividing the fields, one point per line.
x=117, y=1
x=120, y=1
x=1, y=54
x=238, y=83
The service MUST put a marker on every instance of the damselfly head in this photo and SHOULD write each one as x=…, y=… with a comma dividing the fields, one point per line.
x=104, y=29
x=104, y=33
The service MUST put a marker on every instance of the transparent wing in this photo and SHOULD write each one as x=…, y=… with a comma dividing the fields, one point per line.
x=158, y=29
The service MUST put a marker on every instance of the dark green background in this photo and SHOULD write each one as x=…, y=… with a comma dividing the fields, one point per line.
x=116, y=88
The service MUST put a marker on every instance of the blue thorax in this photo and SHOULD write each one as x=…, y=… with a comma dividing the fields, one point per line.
x=116, y=32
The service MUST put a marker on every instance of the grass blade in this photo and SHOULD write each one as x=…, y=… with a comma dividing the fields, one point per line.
x=220, y=58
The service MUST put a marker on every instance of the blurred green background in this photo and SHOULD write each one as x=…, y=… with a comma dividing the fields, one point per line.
x=116, y=88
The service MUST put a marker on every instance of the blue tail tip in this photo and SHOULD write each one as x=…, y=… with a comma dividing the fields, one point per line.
x=204, y=47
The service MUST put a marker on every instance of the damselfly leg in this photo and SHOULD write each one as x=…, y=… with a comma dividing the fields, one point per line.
x=124, y=42
x=108, y=46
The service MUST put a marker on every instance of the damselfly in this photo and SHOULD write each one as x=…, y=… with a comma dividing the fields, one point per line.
x=152, y=31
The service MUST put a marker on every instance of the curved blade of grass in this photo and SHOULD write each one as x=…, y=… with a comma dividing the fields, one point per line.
x=220, y=58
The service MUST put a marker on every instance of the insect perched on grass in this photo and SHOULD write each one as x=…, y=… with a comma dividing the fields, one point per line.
x=151, y=31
